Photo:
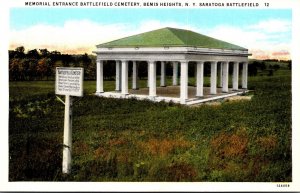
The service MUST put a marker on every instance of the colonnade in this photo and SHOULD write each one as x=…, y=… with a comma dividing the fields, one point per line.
x=122, y=77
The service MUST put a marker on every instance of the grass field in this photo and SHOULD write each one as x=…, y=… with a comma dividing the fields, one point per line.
x=130, y=140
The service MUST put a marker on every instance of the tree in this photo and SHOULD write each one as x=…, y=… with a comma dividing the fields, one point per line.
x=19, y=52
x=85, y=62
x=33, y=54
x=44, y=52
x=14, y=69
x=20, y=49
x=276, y=67
x=44, y=67
x=263, y=65
x=32, y=65
x=252, y=69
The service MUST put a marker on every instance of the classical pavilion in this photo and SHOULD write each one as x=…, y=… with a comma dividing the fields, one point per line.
x=179, y=47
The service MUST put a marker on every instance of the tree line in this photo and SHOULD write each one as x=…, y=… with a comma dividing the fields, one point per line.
x=40, y=64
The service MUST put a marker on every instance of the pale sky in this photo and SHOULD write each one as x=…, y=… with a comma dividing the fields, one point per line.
x=266, y=33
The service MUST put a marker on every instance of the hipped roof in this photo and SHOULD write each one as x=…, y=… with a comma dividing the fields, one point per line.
x=171, y=37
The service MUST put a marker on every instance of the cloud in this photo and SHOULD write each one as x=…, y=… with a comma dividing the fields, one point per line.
x=267, y=54
x=263, y=39
x=73, y=36
x=272, y=26
x=281, y=53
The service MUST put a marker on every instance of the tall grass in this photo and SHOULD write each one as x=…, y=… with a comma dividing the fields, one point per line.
x=131, y=140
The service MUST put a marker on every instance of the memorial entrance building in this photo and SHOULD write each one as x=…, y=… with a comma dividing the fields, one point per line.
x=180, y=48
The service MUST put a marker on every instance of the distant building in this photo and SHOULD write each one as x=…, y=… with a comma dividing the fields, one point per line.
x=179, y=47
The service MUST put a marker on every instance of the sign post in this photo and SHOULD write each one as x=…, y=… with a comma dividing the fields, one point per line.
x=68, y=82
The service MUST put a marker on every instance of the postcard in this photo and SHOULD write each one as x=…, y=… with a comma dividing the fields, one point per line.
x=142, y=95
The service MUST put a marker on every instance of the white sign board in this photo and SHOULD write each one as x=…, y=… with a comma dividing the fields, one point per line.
x=69, y=81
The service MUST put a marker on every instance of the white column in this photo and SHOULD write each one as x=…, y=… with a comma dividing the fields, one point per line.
x=175, y=73
x=67, y=148
x=245, y=75
x=213, y=77
x=118, y=75
x=152, y=80
x=235, y=76
x=221, y=74
x=124, y=77
x=99, y=76
x=199, y=78
x=225, y=76
x=183, y=82
x=163, y=74
x=134, y=75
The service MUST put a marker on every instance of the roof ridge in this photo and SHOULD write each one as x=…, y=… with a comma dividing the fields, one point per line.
x=179, y=30
x=171, y=30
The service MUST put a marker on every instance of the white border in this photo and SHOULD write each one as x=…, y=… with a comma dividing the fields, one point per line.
x=137, y=186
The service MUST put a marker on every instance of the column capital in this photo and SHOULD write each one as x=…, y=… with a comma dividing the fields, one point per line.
x=223, y=61
x=200, y=62
x=124, y=61
x=151, y=61
x=184, y=61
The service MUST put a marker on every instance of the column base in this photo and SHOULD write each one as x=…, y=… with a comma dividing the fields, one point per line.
x=183, y=101
x=152, y=98
x=99, y=92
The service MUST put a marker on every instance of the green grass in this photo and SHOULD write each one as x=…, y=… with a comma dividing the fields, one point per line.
x=130, y=140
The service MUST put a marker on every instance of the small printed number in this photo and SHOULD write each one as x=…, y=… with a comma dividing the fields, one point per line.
x=283, y=185
x=267, y=4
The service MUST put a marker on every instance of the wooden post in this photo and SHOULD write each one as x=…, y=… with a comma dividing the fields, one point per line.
x=69, y=82
x=67, y=145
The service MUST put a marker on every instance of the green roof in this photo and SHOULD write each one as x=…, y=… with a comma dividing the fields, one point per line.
x=171, y=37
